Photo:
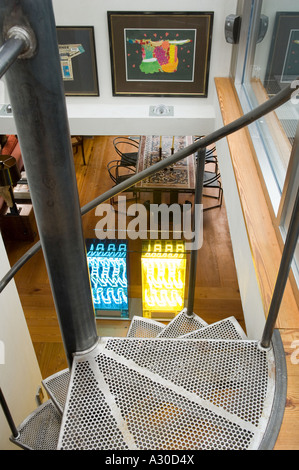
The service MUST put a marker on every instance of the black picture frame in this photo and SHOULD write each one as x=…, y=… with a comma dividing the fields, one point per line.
x=283, y=60
x=160, y=53
x=78, y=60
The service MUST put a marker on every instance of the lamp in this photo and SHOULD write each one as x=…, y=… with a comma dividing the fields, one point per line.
x=9, y=176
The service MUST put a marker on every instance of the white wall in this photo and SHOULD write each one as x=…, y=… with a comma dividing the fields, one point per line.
x=19, y=374
x=109, y=115
x=252, y=304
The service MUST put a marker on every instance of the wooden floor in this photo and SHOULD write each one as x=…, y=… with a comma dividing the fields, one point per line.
x=217, y=293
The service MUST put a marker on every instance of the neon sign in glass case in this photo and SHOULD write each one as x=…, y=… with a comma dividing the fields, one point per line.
x=163, y=276
x=107, y=263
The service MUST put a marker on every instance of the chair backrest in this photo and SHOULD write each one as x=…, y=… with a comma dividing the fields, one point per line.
x=113, y=170
x=112, y=165
x=124, y=140
x=210, y=177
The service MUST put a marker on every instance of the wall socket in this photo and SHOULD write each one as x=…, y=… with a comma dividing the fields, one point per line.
x=161, y=110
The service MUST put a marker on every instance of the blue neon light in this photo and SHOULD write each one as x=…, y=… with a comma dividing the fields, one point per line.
x=107, y=262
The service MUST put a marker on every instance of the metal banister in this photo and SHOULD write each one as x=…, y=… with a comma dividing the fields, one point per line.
x=282, y=276
x=8, y=415
x=265, y=108
x=9, y=52
x=282, y=97
x=200, y=167
x=37, y=96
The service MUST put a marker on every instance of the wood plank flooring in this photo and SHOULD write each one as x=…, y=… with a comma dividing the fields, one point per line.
x=216, y=296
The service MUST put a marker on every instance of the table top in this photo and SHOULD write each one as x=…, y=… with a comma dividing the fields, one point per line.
x=180, y=176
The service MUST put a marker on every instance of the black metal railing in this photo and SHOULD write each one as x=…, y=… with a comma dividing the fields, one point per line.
x=270, y=105
x=38, y=101
x=283, y=273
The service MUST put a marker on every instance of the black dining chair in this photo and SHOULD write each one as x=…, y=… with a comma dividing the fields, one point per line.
x=119, y=173
x=212, y=182
x=115, y=168
x=126, y=158
x=211, y=156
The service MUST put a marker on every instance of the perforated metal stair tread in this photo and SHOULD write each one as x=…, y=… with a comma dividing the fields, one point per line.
x=40, y=430
x=223, y=329
x=229, y=328
x=182, y=324
x=208, y=388
x=141, y=327
x=131, y=393
x=57, y=386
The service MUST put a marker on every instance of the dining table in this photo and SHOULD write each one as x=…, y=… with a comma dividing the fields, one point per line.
x=177, y=178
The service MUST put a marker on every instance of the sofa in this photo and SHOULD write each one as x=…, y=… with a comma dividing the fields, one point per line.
x=10, y=146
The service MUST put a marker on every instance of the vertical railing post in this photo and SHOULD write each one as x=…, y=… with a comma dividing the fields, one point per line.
x=282, y=276
x=201, y=157
x=8, y=416
x=37, y=97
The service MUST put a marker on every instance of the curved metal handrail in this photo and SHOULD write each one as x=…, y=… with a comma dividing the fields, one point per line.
x=280, y=394
x=282, y=97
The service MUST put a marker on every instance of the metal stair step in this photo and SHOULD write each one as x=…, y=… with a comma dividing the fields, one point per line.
x=57, y=386
x=40, y=430
x=142, y=327
x=182, y=324
x=229, y=328
x=148, y=393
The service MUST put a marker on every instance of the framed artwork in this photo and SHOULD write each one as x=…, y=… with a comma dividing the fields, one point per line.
x=78, y=60
x=283, y=62
x=160, y=54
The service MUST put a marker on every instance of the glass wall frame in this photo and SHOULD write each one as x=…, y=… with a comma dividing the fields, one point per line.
x=267, y=29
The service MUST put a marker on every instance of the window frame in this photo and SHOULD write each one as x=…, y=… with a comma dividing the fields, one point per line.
x=280, y=193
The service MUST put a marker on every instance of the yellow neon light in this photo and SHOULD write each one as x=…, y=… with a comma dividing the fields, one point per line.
x=163, y=276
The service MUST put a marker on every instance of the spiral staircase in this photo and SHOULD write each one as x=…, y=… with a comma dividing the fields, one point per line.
x=186, y=385
x=181, y=386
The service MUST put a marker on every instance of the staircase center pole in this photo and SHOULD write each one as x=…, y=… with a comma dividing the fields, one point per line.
x=37, y=97
x=283, y=273
x=201, y=157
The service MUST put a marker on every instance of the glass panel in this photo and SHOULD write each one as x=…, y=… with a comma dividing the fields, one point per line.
x=272, y=64
x=268, y=61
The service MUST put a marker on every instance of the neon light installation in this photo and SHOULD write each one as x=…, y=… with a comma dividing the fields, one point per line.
x=163, y=276
x=107, y=262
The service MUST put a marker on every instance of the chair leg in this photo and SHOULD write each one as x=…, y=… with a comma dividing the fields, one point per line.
x=75, y=145
x=220, y=199
x=82, y=148
x=134, y=198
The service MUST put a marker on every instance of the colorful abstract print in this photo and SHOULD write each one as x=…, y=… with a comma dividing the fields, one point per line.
x=160, y=54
